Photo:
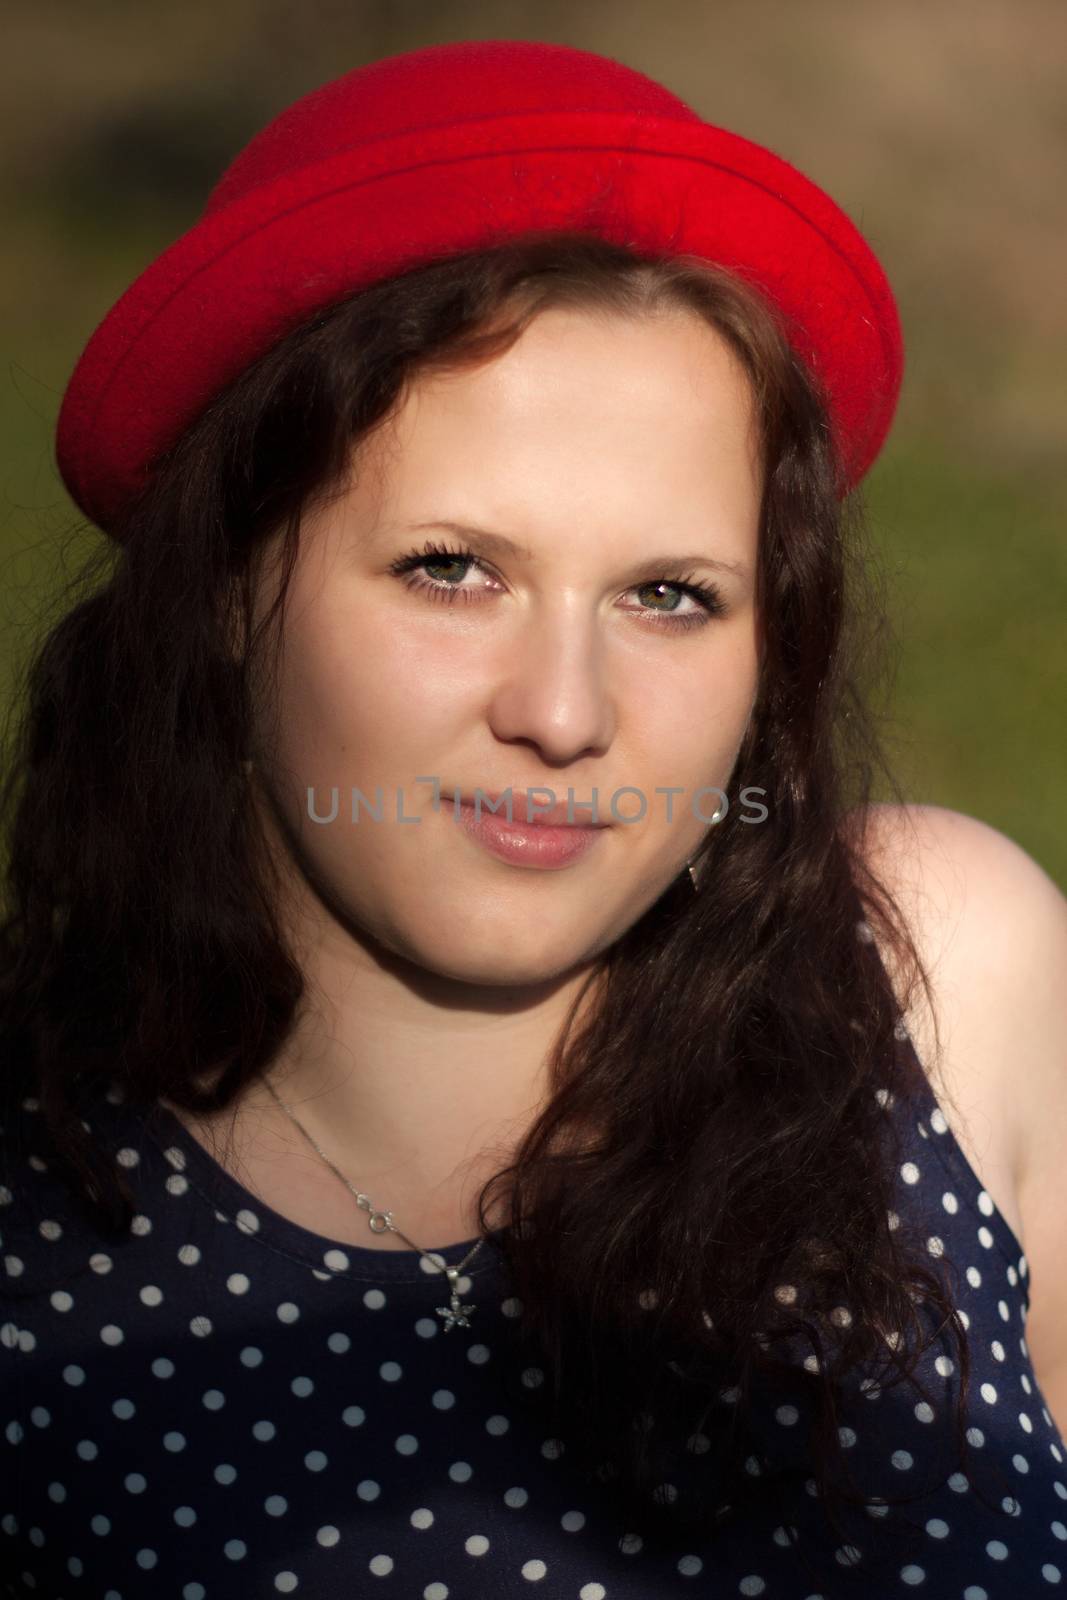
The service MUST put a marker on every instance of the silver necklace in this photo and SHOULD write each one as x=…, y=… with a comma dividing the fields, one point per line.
x=455, y=1314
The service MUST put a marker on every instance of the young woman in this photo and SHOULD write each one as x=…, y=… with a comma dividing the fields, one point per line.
x=469, y=1037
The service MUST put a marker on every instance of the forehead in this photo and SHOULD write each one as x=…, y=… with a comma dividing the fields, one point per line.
x=583, y=406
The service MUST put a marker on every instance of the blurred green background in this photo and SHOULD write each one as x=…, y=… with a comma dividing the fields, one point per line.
x=940, y=127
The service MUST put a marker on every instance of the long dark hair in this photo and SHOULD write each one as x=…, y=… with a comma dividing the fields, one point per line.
x=713, y=1131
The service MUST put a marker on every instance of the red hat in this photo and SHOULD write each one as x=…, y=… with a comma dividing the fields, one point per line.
x=449, y=148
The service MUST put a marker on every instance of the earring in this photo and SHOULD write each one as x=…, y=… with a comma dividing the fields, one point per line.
x=693, y=877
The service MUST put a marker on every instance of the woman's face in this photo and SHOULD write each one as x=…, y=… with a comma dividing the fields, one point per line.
x=615, y=456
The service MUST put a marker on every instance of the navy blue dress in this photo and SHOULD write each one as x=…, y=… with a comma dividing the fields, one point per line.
x=229, y=1404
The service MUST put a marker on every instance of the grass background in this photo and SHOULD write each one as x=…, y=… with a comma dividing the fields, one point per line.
x=940, y=127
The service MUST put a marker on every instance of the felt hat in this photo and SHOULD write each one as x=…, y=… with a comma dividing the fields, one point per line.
x=454, y=147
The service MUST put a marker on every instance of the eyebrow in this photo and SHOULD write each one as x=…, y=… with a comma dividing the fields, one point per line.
x=499, y=544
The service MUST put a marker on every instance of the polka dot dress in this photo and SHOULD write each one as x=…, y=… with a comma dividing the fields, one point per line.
x=226, y=1403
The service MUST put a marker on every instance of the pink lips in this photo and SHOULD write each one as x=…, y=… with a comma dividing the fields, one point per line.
x=528, y=843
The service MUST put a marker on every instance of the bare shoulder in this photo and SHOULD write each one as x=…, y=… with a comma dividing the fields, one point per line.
x=991, y=927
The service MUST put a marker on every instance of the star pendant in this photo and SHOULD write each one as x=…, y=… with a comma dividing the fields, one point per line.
x=455, y=1315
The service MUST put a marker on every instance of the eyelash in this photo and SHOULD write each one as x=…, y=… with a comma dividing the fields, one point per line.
x=707, y=595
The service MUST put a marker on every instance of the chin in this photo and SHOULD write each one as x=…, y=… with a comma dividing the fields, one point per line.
x=495, y=953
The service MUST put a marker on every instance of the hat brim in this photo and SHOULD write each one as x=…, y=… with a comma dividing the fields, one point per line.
x=253, y=269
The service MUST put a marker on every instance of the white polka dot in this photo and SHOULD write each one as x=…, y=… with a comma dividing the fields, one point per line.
x=422, y=1518
x=533, y=1570
x=912, y=1574
x=689, y=1566
x=381, y=1566
x=476, y=1545
x=997, y=1549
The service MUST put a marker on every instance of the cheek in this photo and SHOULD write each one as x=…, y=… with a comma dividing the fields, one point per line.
x=362, y=703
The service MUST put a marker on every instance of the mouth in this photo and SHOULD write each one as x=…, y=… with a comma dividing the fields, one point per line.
x=540, y=843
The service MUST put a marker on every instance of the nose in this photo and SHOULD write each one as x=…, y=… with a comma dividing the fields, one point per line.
x=551, y=690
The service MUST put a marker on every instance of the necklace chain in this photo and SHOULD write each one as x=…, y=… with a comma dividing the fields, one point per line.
x=455, y=1314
